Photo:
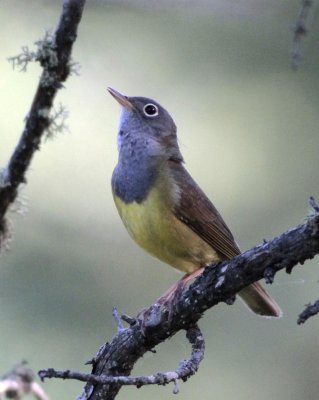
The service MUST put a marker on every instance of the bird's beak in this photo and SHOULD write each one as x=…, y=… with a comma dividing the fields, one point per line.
x=119, y=97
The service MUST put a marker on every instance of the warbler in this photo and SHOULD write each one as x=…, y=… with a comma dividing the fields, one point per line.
x=162, y=207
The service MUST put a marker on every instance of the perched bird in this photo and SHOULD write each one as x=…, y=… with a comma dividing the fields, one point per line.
x=162, y=207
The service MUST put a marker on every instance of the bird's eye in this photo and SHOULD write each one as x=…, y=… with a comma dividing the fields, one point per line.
x=150, y=110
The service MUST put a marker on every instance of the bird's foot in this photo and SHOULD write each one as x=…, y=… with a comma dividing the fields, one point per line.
x=168, y=302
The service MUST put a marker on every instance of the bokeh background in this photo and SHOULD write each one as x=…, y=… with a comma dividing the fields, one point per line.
x=248, y=129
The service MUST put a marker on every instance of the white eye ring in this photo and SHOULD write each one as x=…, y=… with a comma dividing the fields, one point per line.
x=150, y=110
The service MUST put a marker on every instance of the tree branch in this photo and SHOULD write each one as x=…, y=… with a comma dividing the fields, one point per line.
x=186, y=369
x=55, y=60
x=218, y=283
x=308, y=312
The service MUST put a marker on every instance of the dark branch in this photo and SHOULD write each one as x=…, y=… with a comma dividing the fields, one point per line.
x=186, y=369
x=55, y=61
x=313, y=204
x=299, y=31
x=218, y=283
x=308, y=312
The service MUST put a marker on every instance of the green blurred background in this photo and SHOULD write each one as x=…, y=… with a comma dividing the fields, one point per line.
x=248, y=129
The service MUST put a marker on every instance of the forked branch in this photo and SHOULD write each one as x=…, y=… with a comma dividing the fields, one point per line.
x=218, y=283
x=185, y=369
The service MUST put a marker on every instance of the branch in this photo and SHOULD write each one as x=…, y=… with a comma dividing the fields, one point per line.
x=186, y=369
x=308, y=312
x=218, y=283
x=299, y=31
x=55, y=60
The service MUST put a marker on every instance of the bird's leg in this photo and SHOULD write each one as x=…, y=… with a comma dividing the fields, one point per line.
x=178, y=287
x=189, y=277
x=168, y=299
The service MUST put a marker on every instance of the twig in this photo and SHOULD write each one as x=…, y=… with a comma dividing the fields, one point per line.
x=185, y=369
x=313, y=204
x=218, y=283
x=129, y=320
x=117, y=318
x=308, y=312
x=55, y=61
x=299, y=31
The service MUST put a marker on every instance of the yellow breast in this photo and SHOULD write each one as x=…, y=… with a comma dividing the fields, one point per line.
x=153, y=225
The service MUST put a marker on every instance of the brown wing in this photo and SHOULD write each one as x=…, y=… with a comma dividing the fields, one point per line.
x=195, y=210
x=199, y=214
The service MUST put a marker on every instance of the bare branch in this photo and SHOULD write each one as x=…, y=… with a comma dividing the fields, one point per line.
x=299, y=31
x=117, y=318
x=308, y=312
x=185, y=369
x=218, y=283
x=313, y=204
x=54, y=54
x=311, y=309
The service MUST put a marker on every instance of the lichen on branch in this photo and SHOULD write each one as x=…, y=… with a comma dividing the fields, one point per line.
x=54, y=55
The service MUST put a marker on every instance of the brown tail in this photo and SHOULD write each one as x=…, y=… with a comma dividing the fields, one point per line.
x=259, y=301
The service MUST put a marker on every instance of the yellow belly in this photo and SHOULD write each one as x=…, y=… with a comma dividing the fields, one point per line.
x=155, y=228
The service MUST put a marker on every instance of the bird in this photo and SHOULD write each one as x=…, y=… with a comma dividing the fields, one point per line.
x=160, y=204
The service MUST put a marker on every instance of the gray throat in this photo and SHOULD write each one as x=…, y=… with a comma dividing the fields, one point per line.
x=134, y=176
